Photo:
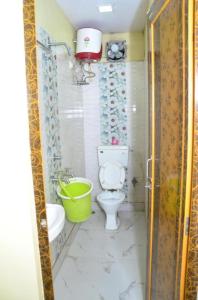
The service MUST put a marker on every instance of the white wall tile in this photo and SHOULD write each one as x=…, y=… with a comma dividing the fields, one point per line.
x=137, y=108
x=92, y=130
x=71, y=118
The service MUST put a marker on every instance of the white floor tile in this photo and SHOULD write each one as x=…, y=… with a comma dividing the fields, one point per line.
x=104, y=265
x=102, y=244
x=90, y=280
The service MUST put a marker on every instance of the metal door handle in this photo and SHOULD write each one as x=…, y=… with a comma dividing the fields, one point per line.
x=148, y=179
x=147, y=167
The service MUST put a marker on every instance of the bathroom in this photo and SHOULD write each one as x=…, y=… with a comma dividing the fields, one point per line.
x=77, y=119
x=99, y=124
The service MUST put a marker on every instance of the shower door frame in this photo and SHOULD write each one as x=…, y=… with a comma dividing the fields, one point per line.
x=154, y=13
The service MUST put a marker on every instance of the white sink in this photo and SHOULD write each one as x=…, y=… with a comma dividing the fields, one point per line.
x=55, y=220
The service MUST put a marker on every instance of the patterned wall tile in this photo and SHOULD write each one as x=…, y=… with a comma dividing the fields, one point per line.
x=112, y=83
x=49, y=114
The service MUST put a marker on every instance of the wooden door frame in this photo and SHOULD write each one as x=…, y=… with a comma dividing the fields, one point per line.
x=155, y=11
x=190, y=147
x=191, y=267
x=35, y=144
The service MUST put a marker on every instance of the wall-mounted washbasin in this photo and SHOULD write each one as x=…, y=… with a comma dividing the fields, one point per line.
x=55, y=220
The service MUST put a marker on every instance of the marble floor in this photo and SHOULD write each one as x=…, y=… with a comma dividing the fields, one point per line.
x=104, y=265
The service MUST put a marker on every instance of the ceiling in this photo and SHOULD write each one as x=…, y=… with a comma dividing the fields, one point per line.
x=127, y=15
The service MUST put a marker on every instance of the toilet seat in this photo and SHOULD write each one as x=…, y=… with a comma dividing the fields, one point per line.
x=112, y=176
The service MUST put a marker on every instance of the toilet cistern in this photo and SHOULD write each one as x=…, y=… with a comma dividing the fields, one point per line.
x=112, y=162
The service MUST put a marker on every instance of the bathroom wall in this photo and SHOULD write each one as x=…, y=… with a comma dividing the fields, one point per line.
x=50, y=127
x=62, y=129
x=137, y=132
x=71, y=117
x=54, y=85
x=127, y=82
x=50, y=124
x=50, y=17
x=91, y=100
x=128, y=110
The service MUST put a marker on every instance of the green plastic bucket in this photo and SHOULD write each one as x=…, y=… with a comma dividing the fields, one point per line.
x=78, y=207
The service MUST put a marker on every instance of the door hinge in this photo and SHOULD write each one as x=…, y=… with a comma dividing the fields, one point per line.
x=187, y=225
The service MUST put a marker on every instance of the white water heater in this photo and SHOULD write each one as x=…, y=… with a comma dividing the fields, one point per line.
x=89, y=44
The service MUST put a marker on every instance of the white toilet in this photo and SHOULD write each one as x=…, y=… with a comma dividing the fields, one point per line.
x=112, y=162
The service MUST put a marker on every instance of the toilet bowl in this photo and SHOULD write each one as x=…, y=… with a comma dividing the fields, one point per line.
x=112, y=161
x=110, y=203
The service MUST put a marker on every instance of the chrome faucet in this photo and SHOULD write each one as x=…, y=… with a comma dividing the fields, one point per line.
x=63, y=175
